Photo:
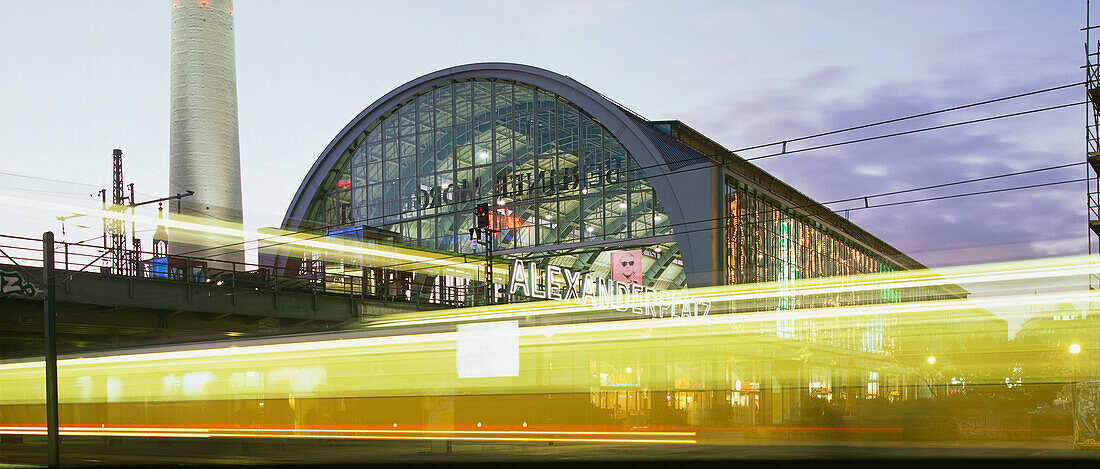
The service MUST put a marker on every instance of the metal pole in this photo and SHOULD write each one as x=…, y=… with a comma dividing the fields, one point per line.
x=53, y=438
x=490, y=294
x=1073, y=403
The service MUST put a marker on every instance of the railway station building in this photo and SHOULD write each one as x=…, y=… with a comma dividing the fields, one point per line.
x=574, y=180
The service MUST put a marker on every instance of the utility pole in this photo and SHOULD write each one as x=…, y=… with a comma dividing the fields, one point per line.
x=123, y=261
x=116, y=226
x=49, y=307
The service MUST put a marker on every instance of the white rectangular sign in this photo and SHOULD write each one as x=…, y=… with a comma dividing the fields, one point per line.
x=488, y=349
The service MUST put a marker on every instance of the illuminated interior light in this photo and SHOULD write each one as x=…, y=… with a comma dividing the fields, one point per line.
x=502, y=202
x=622, y=205
x=549, y=216
x=590, y=229
x=584, y=190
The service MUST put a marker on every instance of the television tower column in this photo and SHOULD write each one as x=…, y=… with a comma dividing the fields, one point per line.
x=204, y=147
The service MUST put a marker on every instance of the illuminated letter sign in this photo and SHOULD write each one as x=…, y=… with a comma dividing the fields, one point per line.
x=518, y=279
x=560, y=283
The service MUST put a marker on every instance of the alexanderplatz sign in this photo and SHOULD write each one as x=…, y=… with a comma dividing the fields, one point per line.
x=559, y=283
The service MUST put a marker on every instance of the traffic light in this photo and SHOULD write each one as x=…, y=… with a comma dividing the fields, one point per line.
x=482, y=212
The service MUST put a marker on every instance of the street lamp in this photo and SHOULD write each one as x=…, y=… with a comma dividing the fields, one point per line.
x=1073, y=351
x=932, y=376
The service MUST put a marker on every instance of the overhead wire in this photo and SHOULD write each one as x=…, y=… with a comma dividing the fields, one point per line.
x=909, y=132
x=913, y=116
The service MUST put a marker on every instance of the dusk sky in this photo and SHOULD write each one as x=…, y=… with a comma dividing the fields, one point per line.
x=81, y=78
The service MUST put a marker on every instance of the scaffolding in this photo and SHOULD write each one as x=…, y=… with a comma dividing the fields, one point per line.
x=1092, y=139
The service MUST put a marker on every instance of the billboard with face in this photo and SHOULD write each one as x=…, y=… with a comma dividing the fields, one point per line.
x=626, y=266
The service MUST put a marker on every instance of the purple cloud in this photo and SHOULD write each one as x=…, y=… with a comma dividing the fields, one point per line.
x=1005, y=226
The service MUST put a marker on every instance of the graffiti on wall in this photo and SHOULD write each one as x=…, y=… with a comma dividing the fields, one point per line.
x=15, y=284
x=1086, y=416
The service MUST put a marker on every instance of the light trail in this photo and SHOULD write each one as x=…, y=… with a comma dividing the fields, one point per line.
x=1003, y=272
x=815, y=313
x=292, y=239
x=357, y=434
x=553, y=330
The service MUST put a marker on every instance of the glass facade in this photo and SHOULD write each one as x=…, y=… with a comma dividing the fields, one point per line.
x=553, y=174
x=765, y=243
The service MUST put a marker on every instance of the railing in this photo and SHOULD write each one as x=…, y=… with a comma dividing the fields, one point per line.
x=312, y=277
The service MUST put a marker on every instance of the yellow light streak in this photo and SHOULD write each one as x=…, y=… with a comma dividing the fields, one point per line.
x=230, y=351
x=595, y=327
x=1013, y=271
x=300, y=240
x=814, y=313
x=489, y=435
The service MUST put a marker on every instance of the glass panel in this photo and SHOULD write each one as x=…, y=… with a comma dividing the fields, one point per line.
x=389, y=128
x=483, y=131
x=390, y=190
x=462, y=135
x=502, y=99
x=359, y=176
x=569, y=229
x=408, y=166
x=360, y=155
x=374, y=194
x=374, y=173
x=391, y=172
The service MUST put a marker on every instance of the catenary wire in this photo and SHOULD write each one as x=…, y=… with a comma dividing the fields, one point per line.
x=914, y=116
x=908, y=132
